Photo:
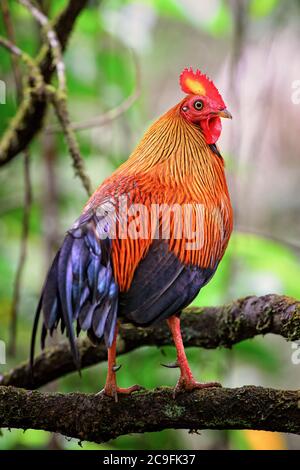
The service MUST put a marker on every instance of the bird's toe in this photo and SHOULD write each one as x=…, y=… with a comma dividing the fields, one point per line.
x=184, y=385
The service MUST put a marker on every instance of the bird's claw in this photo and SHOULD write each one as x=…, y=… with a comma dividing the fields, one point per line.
x=116, y=368
x=188, y=385
x=112, y=391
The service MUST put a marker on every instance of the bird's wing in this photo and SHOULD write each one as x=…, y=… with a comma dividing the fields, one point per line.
x=80, y=285
x=162, y=286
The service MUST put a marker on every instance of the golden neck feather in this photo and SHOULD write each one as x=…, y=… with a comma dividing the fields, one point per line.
x=175, y=153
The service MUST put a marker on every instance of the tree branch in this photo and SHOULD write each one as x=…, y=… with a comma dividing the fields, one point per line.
x=7, y=20
x=22, y=256
x=59, y=97
x=53, y=42
x=208, y=327
x=33, y=70
x=110, y=115
x=61, y=110
x=29, y=118
x=98, y=418
x=15, y=55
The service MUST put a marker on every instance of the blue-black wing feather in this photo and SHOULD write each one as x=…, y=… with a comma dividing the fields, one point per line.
x=80, y=286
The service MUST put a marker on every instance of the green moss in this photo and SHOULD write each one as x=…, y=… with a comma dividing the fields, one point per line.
x=174, y=411
x=291, y=326
x=228, y=326
x=265, y=320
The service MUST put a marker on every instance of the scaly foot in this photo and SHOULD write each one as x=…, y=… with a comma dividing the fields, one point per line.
x=112, y=390
x=188, y=385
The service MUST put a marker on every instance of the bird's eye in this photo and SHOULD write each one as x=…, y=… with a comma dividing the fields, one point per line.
x=198, y=105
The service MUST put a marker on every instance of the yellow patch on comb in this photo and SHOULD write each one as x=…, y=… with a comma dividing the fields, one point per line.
x=198, y=83
x=195, y=87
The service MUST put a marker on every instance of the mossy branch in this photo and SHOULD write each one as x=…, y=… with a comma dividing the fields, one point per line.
x=16, y=54
x=207, y=327
x=29, y=117
x=59, y=101
x=53, y=41
x=47, y=92
x=99, y=419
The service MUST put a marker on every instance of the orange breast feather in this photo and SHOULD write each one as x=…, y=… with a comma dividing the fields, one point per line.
x=174, y=168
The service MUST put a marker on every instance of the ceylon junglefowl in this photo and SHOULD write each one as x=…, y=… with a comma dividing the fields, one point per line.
x=117, y=262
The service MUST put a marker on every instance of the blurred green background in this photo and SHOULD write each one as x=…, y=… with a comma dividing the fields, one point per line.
x=251, y=50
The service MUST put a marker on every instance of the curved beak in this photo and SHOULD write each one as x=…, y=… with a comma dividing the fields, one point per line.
x=225, y=114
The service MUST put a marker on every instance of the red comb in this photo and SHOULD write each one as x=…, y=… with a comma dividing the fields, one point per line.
x=198, y=83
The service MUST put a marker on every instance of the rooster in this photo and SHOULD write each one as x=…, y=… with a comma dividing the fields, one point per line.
x=118, y=261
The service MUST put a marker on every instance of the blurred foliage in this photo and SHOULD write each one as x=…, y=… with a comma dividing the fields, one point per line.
x=261, y=8
x=101, y=74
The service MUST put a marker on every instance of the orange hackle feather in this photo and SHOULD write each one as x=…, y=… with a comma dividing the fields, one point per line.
x=171, y=165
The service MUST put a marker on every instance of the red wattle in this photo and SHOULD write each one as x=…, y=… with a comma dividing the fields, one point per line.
x=211, y=129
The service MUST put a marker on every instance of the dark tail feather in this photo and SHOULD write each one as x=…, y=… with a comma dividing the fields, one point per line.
x=34, y=332
x=65, y=292
x=99, y=319
x=50, y=304
x=110, y=325
x=79, y=287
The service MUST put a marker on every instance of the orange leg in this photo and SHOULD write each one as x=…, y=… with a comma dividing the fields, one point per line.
x=186, y=380
x=111, y=389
